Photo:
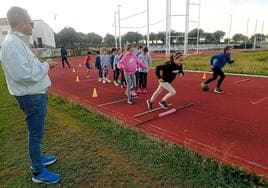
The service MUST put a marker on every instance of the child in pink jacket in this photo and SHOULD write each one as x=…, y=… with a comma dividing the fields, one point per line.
x=129, y=64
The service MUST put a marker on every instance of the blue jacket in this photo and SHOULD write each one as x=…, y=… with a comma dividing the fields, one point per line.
x=219, y=60
x=63, y=52
x=98, y=62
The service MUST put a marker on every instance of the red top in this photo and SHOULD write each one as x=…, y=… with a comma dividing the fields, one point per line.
x=87, y=59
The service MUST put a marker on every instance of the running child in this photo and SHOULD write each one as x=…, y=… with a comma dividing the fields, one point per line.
x=87, y=62
x=217, y=63
x=166, y=73
x=146, y=59
x=129, y=64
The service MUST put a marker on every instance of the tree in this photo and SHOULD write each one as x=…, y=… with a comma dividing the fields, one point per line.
x=153, y=37
x=259, y=37
x=109, y=40
x=81, y=40
x=161, y=36
x=218, y=36
x=193, y=35
x=209, y=39
x=94, y=39
x=132, y=37
x=239, y=38
x=66, y=37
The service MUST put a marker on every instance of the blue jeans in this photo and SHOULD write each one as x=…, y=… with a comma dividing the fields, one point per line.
x=35, y=109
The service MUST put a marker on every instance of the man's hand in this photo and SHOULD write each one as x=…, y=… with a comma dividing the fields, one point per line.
x=51, y=63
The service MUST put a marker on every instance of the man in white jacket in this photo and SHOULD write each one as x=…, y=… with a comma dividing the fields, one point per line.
x=27, y=79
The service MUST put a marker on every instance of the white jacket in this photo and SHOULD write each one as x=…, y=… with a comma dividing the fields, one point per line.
x=25, y=74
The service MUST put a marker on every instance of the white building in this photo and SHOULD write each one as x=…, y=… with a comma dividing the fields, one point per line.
x=4, y=28
x=43, y=35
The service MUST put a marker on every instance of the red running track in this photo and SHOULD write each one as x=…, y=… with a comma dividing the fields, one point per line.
x=230, y=127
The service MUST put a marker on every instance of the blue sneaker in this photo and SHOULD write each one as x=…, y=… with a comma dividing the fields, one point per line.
x=46, y=177
x=48, y=160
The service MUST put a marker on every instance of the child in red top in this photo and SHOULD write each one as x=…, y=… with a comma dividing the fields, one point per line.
x=87, y=62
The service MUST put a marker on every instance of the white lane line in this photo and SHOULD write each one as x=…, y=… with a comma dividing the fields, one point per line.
x=113, y=102
x=260, y=100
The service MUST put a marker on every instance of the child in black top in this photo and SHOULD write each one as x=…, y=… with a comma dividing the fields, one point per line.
x=166, y=73
x=98, y=65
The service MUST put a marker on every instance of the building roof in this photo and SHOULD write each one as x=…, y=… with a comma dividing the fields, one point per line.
x=4, y=21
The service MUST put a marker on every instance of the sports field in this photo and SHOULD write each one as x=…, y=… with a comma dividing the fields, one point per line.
x=93, y=151
x=230, y=127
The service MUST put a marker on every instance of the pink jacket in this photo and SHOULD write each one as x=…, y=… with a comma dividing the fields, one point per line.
x=129, y=63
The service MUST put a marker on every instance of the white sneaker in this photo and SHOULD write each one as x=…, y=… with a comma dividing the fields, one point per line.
x=103, y=81
x=218, y=90
x=133, y=93
x=115, y=83
x=129, y=101
x=99, y=79
x=109, y=81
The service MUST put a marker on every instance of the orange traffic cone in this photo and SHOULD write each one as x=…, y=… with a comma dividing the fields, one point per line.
x=77, y=78
x=94, y=93
x=204, y=76
x=73, y=69
x=80, y=65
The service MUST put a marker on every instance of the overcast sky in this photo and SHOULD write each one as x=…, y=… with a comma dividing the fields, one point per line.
x=98, y=15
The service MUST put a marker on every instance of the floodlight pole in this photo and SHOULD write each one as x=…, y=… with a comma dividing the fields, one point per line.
x=168, y=26
x=119, y=26
x=262, y=30
x=246, y=34
x=148, y=25
x=115, y=33
x=198, y=29
x=186, y=26
x=255, y=37
x=230, y=28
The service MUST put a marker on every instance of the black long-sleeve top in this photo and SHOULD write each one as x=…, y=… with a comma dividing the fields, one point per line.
x=169, y=71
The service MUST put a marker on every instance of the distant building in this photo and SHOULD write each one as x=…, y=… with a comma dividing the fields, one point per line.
x=4, y=28
x=43, y=35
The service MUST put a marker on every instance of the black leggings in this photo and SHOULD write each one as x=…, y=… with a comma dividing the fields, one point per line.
x=116, y=74
x=142, y=80
x=63, y=61
x=216, y=72
x=123, y=80
x=100, y=73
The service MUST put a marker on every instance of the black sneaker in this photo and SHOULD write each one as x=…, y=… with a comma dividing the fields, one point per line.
x=149, y=105
x=163, y=104
x=218, y=90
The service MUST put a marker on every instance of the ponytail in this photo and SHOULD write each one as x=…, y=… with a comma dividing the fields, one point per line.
x=173, y=57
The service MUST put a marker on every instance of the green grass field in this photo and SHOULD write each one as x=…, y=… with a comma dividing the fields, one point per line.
x=246, y=63
x=96, y=152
